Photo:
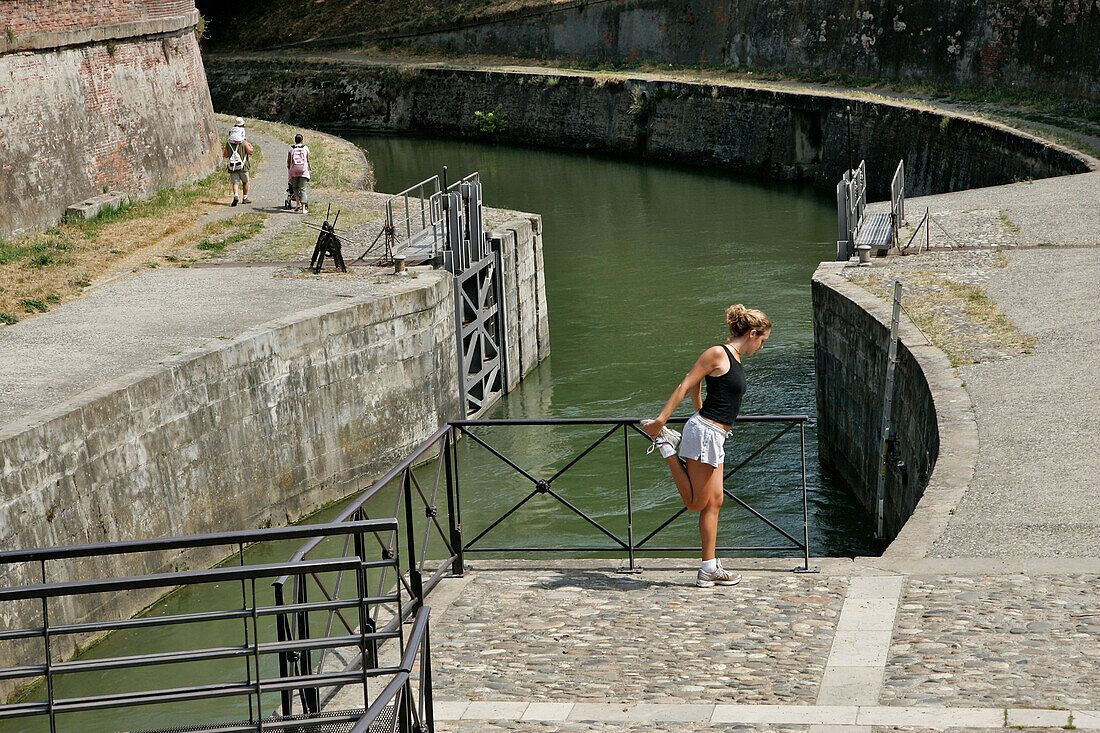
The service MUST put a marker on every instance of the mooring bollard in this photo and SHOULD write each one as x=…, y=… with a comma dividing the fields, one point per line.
x=864, y=252
x=398, y=264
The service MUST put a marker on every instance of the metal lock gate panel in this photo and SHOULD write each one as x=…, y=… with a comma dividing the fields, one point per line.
x=479, y=296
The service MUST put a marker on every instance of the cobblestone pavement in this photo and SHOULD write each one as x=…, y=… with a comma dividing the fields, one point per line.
x=1013, y=641
x=588, y=634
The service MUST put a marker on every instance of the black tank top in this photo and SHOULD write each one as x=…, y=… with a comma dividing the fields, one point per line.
x=724, y=393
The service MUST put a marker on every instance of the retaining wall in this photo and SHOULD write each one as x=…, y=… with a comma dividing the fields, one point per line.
x=777, y=134
x=94, y=98
x=253, y=432
x=527, y=329
x=258, y=431
x=1021, y=44
x=931, y=416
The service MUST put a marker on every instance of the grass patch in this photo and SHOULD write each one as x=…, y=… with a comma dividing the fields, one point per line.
x=1009, y=225
x=298, y=239
x=218, y=235
x=66, y=258
x=960, y=319
x=334, y=163
x=9, y=318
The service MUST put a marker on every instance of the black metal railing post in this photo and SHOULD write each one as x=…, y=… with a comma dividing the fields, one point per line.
x=366, y=653
x=283, y=634
x=805, y=502
x=244, y=623
x=258, y=718
x=426, y=678
x=310, y=695
x=629, y=501
x=450, y=454
x=49, y=664
x=416, y=581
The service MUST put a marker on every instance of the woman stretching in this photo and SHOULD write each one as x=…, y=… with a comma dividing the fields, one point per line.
x=698, y=476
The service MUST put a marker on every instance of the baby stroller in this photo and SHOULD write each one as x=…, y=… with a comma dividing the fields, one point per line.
x=288, y=203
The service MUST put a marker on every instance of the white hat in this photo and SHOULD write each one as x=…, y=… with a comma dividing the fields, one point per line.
x=236, y=135
x=240, y=122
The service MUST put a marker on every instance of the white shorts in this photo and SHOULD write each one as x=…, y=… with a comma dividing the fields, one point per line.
x=703, y=441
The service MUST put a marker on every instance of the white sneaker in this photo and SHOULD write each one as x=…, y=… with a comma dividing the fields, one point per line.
x=718, y=576
x=667, y=442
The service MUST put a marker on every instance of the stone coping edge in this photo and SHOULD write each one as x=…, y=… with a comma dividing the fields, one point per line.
x=846, y=567
x=426, y=279
x=955, y=422
x=50, y=40
x=841, y=716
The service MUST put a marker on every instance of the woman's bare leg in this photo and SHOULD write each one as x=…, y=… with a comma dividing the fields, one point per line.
x=683, y=482
x=709, y=493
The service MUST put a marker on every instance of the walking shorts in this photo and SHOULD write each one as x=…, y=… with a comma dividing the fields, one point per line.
x=703, y=441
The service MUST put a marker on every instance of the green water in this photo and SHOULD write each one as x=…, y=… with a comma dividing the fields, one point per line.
x=641, y=262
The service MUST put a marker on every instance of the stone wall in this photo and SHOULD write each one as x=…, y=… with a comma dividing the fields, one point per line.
x=258, y=431
x=527, y=328
x=110, y=97
x=777, y=134
x=1022, y=44
x=931, y=415
x=254, y=432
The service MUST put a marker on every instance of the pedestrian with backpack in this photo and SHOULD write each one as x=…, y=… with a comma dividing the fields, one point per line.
x=297, y=166
x=237, y=150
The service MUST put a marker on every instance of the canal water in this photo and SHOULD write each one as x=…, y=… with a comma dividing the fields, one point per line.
x=641, y=261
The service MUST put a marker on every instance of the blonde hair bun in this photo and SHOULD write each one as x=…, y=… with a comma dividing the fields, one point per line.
x=741, y=320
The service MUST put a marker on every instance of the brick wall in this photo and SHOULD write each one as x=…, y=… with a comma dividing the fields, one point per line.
x=45, y=16
x=132, y=114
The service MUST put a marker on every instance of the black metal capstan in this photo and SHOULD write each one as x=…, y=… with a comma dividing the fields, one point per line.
x=328, y=243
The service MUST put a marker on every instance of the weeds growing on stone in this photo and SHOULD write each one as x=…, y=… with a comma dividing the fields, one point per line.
x=959, y=318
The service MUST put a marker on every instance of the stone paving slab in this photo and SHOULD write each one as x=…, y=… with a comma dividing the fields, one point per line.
x=1011, y=641
x=454, y=715
x=585, y=634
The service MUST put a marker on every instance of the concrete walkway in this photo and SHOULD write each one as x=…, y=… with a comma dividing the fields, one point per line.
x=139, y=319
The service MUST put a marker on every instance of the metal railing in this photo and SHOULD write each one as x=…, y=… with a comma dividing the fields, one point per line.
x=253, y=679
x=628, y=544
x=393, y=496
x=404, y=706
x=403, y=495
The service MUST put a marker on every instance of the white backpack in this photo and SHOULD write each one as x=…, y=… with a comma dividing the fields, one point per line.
x=235, y=162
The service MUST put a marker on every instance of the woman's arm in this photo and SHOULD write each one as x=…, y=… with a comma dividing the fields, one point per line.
x=697, y=395
x=690, y=385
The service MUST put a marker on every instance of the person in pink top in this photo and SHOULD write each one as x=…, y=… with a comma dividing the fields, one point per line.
x=297, y=166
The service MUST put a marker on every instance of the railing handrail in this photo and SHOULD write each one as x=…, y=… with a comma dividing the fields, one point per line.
x=617, y=420
x=415, y=186
x=168, y=580
x=212, y=539
x=417, y=636
x=475, y=176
